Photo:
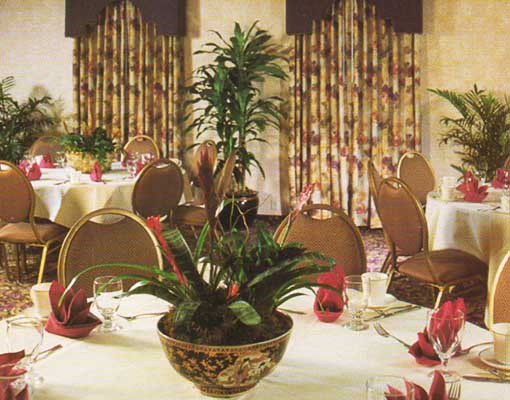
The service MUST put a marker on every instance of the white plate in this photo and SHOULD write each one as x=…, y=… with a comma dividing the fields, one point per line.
x=488, y=357
x=389, y=300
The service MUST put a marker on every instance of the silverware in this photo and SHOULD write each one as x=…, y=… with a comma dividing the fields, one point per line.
x=468, y=349
x=485, y=378
x=61, y=183
x=384, y=314
x=384, y=333
x=454, y=391
x=500, y=374
x=45, y=353
x=133, y=317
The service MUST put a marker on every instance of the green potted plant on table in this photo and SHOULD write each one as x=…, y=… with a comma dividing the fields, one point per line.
x=224, y=332
x=230, y=105
x=20, y=123
x=482, y=130
x=84, y=149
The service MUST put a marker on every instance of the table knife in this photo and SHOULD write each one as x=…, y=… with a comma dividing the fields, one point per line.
x=485, y=378
x=411, y=307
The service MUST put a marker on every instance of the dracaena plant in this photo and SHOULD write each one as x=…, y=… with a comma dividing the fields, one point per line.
x=228, y=296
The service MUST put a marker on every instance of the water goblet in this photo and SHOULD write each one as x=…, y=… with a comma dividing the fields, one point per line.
x=387, y=387
x=107, y=296
x=60, y=159
x=356, y=300
x=445, y=333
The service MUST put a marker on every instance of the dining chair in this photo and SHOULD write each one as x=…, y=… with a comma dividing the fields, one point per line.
x=107, y=236
x=22, y=229
x=499, y=294
x=48, y=144
x=142, y=144
x=158, y=189
x=506, y=165
x=417, y=172
x=323, y=228
x=404, y=223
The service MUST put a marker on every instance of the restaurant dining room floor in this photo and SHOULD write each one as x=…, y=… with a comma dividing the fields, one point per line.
x=14, y=296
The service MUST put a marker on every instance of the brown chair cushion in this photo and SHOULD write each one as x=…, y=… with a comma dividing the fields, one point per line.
x=501, y=311
x=190, y=215
x=450, y=266
x=22, y=232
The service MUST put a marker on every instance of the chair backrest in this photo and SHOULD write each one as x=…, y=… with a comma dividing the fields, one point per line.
x=415, y=170
x=336, y=236
x=374, y=179
x=506, y=165
x=16, y=194
x=499, y=294
x=45, y=145
x=126, y=239
x=142, y=144
x=158, y=189
x=402, y=217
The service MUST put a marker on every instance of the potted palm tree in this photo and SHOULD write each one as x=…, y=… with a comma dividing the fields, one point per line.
x=231, y=106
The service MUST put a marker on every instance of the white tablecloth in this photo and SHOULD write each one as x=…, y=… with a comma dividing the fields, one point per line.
x=322, y=361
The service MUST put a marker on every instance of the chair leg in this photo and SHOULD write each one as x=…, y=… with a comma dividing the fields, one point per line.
x=390, y=277
x=387, y=264
x=42, y=264
x=439, y=297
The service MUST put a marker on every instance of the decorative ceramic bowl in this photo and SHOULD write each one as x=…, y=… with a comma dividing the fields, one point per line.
x=224, y=371
x=84, y=162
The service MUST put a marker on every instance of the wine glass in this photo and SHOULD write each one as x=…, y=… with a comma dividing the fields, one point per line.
x=26, y=333
x=131, y=165
x=60, y=159
x=356, y=300
x=107, y=296
x=445, y=333
x=387, y=387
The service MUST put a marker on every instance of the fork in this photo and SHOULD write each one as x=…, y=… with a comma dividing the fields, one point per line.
x=384, y=333
x=454, y=391
x=133, y=317
x=468, y=349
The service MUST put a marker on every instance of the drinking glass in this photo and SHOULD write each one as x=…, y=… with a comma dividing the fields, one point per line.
x=387, y=387
x=107, y=296
x=17, y=379
x=60, y=159
x=26, y=333
x=356, y=300
x=445, y=333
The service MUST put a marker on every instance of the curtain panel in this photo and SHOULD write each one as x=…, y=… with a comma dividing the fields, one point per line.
x=353, y=97
x=127, y=78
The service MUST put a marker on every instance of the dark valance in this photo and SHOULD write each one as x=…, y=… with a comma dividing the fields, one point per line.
x=406, y=15
x=168, y=15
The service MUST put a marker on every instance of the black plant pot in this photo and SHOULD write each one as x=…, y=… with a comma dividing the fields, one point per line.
x=240, y=210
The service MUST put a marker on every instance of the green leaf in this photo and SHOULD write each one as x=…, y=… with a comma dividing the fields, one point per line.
x=245, y=313
x=185, y=311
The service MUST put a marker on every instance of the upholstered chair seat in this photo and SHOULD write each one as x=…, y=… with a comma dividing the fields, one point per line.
x=22, y=232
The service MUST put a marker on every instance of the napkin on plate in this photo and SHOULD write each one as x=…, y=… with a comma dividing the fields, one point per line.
x=46, y=162
x=437, y=390
x=96, y=175
x=33, y=172
x=472, y=192
x=7, y=368
x=422, y=350
x=72, y=318
x=329, y=305
x=502, y=179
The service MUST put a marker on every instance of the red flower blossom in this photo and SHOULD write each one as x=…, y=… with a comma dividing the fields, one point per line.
x=233, y=291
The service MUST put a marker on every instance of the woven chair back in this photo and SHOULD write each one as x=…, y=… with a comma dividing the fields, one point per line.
x=118, y=236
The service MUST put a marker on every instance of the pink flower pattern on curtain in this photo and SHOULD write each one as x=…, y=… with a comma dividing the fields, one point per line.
x=353, y=97
x=127, y=78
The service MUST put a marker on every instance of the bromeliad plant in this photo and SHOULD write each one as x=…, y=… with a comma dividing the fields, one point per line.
x=231, y=295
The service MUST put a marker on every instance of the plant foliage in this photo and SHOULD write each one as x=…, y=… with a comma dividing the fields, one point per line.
x=97, y=144
x=482, y=130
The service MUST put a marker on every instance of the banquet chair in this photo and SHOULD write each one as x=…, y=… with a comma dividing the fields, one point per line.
x=142, y=144
x=158, y=189
x=106, y=236
x=506, y=165
x=47, y=144
x=22, y=229
x=404, y=224
x=335, y=235
x=415, y=170
x=499, y=294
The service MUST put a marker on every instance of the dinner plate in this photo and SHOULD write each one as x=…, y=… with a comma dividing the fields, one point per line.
x=488, y=357
x=389, y=300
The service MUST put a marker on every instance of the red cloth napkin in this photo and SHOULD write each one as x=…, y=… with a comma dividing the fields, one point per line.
x=34, y=172
x=73, y=318
x=7, y=368
x=139, y=166
x=46, y=162
x=329, y=305
x=96, y=175
x=472, y=192
x=502, y=179
x=422, y=350
x=437, y=390
x=23, y=165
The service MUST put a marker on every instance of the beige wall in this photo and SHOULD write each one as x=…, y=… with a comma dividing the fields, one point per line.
x=464, y=42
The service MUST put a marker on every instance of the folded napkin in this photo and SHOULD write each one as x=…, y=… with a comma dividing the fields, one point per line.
x=422, y=350
x=46, y=162
x=8, y=368
x=23, y=165
x=472, y=192
x=437, y=390
x=329, y=305
x=502, y=179
x=73, y=318
x=33, y=172
x=96, y=175
x=139, y=166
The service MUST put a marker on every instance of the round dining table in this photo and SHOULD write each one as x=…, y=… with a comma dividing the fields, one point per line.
x=323, y=360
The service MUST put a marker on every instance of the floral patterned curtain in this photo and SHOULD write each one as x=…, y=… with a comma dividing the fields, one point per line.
x=353, y=98
x=127, y=78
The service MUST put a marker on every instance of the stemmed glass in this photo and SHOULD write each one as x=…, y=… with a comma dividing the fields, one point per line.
x=356, y=300
x=445, y=333
x=26, y=333
x=131, y=162
x=107, y=296
x=386, y=387
x=60, y=159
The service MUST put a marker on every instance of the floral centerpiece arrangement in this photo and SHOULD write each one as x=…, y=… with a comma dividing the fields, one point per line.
x=224, y=331
x=85, y=148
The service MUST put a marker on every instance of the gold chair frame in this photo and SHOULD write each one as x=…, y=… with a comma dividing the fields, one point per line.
x=411, y=154
x=142, y=138
x=492, y=290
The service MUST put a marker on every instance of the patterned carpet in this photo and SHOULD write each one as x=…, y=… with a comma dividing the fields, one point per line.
x=14, y=297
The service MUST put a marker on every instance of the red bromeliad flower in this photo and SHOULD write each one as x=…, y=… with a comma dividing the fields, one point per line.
x=233, y=291
x=154, y=223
